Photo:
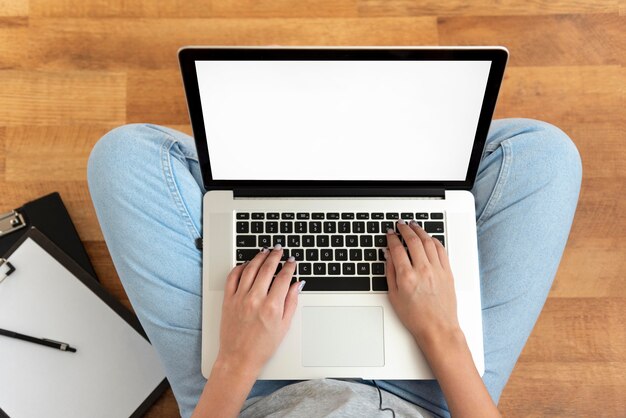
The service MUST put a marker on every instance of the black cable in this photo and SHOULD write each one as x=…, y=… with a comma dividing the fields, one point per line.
x=380, y=398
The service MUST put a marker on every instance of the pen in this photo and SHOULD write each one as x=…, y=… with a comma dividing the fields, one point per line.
x=42, y=341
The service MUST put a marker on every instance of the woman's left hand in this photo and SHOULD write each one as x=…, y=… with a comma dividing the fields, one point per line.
x=255, y=317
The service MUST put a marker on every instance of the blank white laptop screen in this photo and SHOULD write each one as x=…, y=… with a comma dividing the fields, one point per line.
x=341, y=120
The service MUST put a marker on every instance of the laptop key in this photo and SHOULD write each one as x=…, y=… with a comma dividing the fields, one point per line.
x=381, y=255
x=406, y=215
x=302, y=215
x=356, y=254
x=293, y=241
x=366, y=241
x=273, y=215
x=344, y=227
x=348, y=269
x=379, y=283
x=304, y=269
x=308, y=241
x=378, y=215
x=256, y=227
x=286, y=227
x=315, y=227
x=358, y=227
x=312, y=255
x=322, y=241
x=243, y=215
x=271, y=227
x=380, y=240
x=319, y=269
x=352, y=241
x=433, y=227
x=334, y=268
x=336, y=240
x=245, y=255
x=297, y=253
x=421, y=215
x=373, y=227
x=354, y=283
x=317, y=215
x=378, y=268
x=326, y=254
x=363, y=268
x=369, y=254
x=392, y=215
x=278, y=239
x=362, y=215
x=384, y=226
x=300, y=227
x=288, y=215
x=330, y=227
x=258, y=215
x=347, y=216
x=245, y=241
x=243, y=227
x=265, y=241
x=341, y=254
x=332, y=215
x=436, y=215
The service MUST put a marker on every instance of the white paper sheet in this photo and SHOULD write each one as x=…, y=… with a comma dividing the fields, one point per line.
x=114, y=370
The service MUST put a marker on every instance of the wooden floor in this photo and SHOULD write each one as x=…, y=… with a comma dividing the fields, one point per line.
x=72, y=69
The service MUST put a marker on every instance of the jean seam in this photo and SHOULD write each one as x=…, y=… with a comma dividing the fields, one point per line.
x=168, y=173
x=497, y=191
x=192, y=157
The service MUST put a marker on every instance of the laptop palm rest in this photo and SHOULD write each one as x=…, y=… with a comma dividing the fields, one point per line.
x=342, y=336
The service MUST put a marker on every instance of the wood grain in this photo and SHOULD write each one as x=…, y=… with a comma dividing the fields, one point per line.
x=48, y=98
x=152, y=44
x=482, y=7
x=595, y=39
x=70, y=70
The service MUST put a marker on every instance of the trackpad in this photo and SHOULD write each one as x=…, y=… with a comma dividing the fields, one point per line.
x=343, y=336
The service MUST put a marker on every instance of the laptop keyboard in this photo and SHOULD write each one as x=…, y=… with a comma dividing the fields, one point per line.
x=335, y=251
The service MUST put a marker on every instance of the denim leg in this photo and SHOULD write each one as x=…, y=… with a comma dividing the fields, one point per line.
x=526, y=193
x=145, y=184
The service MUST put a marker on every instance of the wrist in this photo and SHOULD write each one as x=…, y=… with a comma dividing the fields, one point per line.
x=235, y=367
x=440, y=340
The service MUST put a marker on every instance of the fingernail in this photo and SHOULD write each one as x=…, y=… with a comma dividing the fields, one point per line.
x=390, y=231
x=278, y=247
x=301, y=285
x=413, y=222
x=291, y=259
x=401, y=221
x=385, y=253
x=264, y=249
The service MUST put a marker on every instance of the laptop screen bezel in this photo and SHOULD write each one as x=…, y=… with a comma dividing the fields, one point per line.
x=189, y=55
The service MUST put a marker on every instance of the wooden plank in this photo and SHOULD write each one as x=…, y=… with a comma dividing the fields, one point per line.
x=56, y=152
x=193, y=8
x=14, y=46
x=563, y=95
x=597, y=39
x=152, y=44
x=165, y=407
x=579, y=329
x=48, y=98
x=591, y=267
x=156, y=96
x=13, y=7
x=372, y=8
x=565, y=389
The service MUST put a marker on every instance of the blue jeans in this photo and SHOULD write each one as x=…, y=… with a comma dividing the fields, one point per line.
x=147, y=190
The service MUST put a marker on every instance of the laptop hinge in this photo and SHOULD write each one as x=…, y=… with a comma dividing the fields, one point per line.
x=435, y=193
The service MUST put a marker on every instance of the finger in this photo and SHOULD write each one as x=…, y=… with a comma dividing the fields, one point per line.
x=443, y=256
x=391, y=272
x=232, y=280
x=413, y=243
x=279, y=288
x=266, y=271
x=291, y=301
x=251, y=270
x=398, y=253
x=428, y=244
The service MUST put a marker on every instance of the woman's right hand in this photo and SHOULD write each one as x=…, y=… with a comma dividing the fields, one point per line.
x=421, y=289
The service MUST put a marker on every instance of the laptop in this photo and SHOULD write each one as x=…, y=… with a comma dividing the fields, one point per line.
x=321, y=149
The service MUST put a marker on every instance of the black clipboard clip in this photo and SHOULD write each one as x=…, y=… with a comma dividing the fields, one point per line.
x=6, y=269
x=11, y=222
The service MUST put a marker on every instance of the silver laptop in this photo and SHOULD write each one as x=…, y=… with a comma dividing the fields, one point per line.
x=321, y=150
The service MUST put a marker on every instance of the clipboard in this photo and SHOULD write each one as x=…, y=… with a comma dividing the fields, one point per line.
x=49, y=215
x=120, y=316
